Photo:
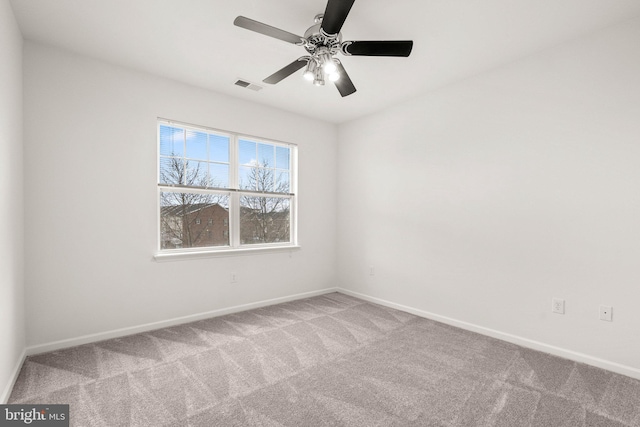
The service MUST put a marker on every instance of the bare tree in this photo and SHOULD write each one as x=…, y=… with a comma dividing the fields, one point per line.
x=182, y=211
x=264, y=219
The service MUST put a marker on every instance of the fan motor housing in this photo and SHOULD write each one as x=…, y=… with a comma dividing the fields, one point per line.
x=315, y=38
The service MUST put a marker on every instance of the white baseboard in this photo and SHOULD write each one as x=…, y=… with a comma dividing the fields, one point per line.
x=86, y=339
x=514, y=339
x=4, y=397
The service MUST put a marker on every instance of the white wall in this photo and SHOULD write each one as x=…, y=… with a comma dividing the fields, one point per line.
x=90, y=201
x=482, y=201
x=12, y=330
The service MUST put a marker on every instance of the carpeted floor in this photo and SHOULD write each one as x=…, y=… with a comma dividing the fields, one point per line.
x=331, y=360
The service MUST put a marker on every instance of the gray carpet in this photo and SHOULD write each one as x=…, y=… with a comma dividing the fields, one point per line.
x=330, y=360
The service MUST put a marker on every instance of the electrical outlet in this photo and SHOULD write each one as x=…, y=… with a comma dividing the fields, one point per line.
x=234, y=278
x=606, y=313
x=372, y=271
x=557, y=305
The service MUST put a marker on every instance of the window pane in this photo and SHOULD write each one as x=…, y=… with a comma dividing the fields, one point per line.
x=171, y=170
x=282, y=182
x=189, y=220
x=266, y=155
x=171, y=141
x=264, y=220
x=260, y=179
x=196, y=145
x=218, y=175
x=245, y=180
x=219, y=148
x=282, y=158
x=197, y=173
x=247, y=153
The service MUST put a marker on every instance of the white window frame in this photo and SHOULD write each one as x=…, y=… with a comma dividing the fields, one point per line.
x=234, y=193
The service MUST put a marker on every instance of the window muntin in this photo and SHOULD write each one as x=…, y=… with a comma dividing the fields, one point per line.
x=223, y=191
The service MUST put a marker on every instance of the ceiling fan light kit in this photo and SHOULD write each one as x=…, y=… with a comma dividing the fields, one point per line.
x=323, y=41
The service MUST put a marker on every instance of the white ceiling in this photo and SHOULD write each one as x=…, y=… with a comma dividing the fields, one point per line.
x=195, y=41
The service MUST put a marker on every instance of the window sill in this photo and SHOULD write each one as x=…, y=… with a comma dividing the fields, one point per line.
x=198, y=254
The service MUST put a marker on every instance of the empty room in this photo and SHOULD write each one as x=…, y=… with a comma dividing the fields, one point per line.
x=320, y=213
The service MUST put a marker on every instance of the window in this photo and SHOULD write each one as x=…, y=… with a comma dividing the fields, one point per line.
x=223, y=191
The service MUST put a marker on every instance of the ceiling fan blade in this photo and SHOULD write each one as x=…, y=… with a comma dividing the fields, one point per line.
x=267, y=30
x=378, y=48
x=286, y=71
x=335, y=15
x=344, y=84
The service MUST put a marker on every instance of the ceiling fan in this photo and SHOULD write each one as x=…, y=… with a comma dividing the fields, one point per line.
x=322, y=41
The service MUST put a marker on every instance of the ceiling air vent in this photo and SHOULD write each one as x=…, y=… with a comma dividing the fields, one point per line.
x=248, y=85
